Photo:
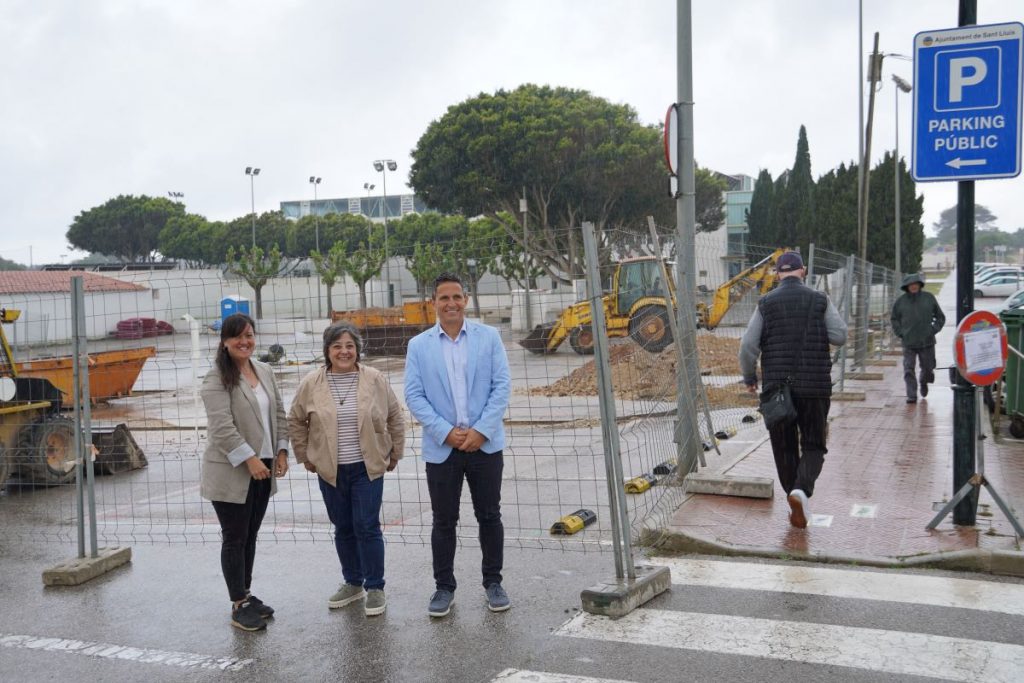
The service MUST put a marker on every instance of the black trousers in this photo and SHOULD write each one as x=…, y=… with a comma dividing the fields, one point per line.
x=239, y=525
x=926, y=359
x=799, y=447
x=444, y=481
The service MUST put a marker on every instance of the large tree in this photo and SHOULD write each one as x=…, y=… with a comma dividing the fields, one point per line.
x=126, y=226
x=795, y=219
x=577, y=156
x=7, y=264
x=945, y=227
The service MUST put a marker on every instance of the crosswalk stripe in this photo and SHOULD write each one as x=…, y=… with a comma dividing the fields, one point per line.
x=936, y=591
x=522, y=676
x=182, y=660
x=896, y=652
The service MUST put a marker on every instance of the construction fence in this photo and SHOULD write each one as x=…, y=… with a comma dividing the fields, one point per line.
x=151, y=337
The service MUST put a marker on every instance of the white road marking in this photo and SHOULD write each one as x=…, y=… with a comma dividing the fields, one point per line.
x=938, y=591
x=820, y=520
x=896, y=652
x=865, y=510
x=182, y=660
x=521, y=676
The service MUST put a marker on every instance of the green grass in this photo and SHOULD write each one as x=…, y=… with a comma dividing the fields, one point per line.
x=933, y=287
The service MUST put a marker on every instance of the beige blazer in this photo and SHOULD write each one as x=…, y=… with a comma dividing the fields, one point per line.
x=234, y=431
x=313, y=423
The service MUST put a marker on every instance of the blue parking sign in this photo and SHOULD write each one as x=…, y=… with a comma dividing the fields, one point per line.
x=967, y=103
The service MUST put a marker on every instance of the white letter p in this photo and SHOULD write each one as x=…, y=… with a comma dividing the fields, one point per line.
x=964, y=71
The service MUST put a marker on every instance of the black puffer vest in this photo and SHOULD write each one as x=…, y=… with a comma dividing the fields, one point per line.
x=784, y=313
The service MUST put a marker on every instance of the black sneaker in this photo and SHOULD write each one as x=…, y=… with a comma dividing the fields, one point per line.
x=911, y=400
x=265, y=610
x=247, y=618
x=924, y=389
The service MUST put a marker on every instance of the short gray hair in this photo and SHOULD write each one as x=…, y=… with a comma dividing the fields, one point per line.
x=334, y=332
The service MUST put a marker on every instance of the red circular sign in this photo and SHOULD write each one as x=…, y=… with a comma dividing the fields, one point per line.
x=980, y=348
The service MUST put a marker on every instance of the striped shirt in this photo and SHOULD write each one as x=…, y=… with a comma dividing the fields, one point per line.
x=344, y=387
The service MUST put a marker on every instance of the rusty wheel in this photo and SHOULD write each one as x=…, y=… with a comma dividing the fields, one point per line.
x=650, y=328
x=48, y=451
x=581, y=339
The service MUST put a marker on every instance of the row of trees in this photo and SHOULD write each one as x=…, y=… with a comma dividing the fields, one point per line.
x=793, y=210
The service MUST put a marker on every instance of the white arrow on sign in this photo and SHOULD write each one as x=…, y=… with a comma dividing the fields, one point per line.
x=958, y=162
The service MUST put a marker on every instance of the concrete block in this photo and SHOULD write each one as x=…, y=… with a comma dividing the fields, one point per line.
x=618, y=597
x=849, y=396
x=1008, y=563
x=723, y=485
x=864, y=375
x=883, y=362
x=82, y=569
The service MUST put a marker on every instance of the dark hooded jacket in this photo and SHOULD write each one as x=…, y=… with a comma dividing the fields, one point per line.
x=916, y=318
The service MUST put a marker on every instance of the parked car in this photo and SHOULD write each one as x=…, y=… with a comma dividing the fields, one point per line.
x=1001, y=285
x=1015, y=300
x=989, y=274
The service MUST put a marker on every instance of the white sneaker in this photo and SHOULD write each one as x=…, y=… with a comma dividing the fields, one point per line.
x=799, y=511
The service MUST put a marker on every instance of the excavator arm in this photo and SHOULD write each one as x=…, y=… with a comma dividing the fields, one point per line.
x=760, y=275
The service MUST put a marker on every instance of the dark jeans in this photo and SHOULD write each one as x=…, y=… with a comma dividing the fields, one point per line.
x=239, y=525
x=799, y=447
x=926, y=359
x=444, y=481
x=354, y=508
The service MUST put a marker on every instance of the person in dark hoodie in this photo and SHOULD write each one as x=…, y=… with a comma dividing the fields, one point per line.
x=916, y=318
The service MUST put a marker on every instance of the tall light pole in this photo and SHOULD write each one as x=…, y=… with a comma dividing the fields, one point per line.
x=369, y=188
x=314, y=181
x=176, y=197
x=252, y=173
x=382, y=166
x=905, y=87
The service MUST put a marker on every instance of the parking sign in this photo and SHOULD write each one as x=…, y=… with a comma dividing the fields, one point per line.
x=967, y=103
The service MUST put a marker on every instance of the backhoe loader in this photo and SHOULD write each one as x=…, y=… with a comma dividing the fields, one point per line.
x=635, y=307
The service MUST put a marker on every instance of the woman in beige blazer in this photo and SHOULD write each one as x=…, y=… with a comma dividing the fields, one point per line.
x=347, y=426
x=247, y=443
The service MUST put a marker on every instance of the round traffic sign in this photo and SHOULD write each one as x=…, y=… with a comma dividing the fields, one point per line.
x=670, y=138
x=980, y=348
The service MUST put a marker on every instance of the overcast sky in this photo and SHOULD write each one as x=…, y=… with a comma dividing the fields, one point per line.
x=107, y=97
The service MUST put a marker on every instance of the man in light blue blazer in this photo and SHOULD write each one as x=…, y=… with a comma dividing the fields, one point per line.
x=457, y=386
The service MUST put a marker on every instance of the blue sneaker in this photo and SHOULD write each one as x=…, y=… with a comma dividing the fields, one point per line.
x=441, y=603
x=497, y=598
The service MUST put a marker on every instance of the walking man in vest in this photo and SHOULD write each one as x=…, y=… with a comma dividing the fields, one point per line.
x=916, y=318
x=791, y=331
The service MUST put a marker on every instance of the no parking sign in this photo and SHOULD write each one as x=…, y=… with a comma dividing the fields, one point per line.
x=980, y=348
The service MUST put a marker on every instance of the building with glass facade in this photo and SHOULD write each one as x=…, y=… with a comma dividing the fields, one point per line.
x=373, y=208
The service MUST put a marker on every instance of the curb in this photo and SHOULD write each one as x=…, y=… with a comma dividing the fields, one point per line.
x=999, y=562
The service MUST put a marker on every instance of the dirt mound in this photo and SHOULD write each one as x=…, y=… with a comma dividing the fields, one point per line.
x=638, y=374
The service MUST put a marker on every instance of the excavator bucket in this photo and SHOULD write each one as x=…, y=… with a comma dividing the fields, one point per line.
x=537, y=341
x=115, y=450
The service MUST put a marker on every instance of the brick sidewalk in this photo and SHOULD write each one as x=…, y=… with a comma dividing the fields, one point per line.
x=888, y=462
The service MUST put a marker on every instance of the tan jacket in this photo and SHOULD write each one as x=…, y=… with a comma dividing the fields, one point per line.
x=313, y=423
x=234, y=430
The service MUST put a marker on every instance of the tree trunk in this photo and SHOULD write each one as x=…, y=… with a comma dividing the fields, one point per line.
x=259, y=302
x=362, y=295
x=330, y=303
x=476, y=300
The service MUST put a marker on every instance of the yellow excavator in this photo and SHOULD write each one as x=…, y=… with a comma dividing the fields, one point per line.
x=37, y=439
x=635, y=307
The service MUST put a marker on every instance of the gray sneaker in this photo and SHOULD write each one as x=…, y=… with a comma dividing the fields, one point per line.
x=441, y=603
x=346, y=594
x=497, y=598
x=375, y=602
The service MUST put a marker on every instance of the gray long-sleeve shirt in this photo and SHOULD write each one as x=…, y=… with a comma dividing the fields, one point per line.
x=750, y=345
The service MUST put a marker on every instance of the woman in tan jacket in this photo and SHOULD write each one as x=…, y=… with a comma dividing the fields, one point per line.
x=246, y=449
x=347, y=426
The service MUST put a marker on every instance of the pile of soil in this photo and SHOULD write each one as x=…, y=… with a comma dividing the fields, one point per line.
x=638, y=374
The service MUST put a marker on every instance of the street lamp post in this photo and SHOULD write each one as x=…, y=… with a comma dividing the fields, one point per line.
x=369, y=188
x=252, y=173
x=905, y=87
x=314, y=181
x=382, y=166
x=176, y=197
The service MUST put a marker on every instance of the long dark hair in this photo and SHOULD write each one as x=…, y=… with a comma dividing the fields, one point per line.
x=233, y=326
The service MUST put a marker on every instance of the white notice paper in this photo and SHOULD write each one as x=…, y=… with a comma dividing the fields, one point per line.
x=983, y=350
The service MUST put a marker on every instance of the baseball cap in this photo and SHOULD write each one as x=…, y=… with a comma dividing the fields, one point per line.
x=789, y=262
